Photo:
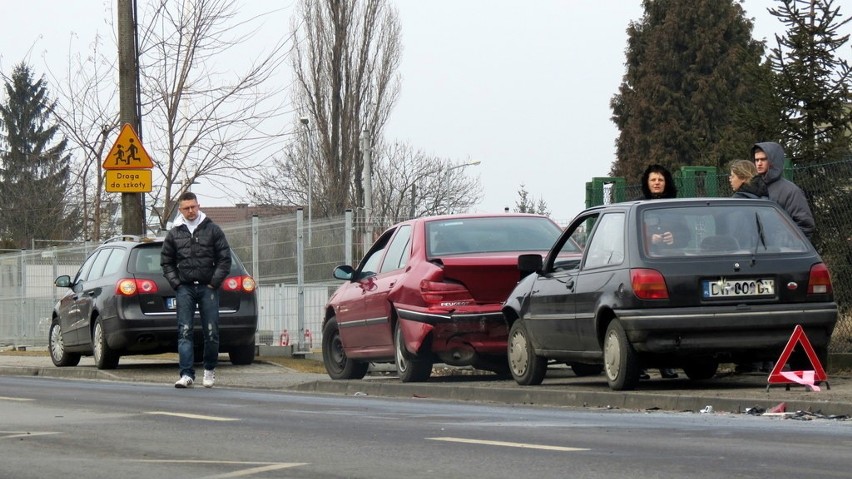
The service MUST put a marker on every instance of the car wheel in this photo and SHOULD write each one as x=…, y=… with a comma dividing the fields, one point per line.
x=526, y=366
x=582, y=369
x=411, y=368
x=105, y=358
x=620, y=362
x=56, y=344
x=337, y=364
x=700, y=370
x=242, y=355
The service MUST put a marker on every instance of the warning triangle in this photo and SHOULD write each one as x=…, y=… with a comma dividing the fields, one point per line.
x=806, y=378
x=127, y=153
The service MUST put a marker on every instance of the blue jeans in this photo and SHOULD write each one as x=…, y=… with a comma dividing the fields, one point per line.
x=207, y=299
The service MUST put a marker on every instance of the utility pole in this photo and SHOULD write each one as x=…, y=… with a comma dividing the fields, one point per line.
x=366, y=150
x=132, y=212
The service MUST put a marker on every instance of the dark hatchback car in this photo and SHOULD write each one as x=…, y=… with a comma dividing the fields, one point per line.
x=431, y=290
x=120, y=304
x=669, y=283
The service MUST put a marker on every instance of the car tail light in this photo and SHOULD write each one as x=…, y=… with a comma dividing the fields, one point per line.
x=239, y=283
x=648, y=284
x=132, y=287
x=436, y=293
x=819, y=281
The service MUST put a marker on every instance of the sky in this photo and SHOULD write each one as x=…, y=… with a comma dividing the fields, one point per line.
x=522, y=87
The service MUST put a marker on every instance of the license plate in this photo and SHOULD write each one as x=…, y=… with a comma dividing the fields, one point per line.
x=735, y=288
x=171, y=303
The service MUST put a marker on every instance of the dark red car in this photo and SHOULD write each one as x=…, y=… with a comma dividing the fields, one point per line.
x=431, y=290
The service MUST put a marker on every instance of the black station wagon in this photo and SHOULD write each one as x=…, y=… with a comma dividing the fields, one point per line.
x=120, y=304
x=684, y=283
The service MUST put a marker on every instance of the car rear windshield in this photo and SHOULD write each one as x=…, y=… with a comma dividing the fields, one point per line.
x=490, y=235
x=145, y=259
x=718, y=230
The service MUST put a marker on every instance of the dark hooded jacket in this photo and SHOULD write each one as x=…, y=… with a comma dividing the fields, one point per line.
x=202, y=256
x=783, y=191
x=754, y=189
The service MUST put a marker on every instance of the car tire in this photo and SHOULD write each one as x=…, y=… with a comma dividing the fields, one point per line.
x=526, y=366
x=701, y=370
x=620, y=362
x=242, y=355
x=105, y=358
x=583, y=369
x=56, y=345
x=337, y=364
x=410, y=368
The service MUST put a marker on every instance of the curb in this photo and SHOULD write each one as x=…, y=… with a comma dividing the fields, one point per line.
x=534, y=396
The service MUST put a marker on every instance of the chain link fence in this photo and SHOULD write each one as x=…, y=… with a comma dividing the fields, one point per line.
x=292, y=260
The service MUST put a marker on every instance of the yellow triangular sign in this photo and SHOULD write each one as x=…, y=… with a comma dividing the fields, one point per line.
x=127, y=153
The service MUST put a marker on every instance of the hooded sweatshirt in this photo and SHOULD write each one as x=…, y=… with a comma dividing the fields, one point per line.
x=783, y=191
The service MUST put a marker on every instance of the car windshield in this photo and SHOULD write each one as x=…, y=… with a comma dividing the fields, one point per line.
x=718, y=230
x=490, y=235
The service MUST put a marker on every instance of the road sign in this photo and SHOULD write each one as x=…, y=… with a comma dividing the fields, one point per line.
x=128, y=181
x=127, y=153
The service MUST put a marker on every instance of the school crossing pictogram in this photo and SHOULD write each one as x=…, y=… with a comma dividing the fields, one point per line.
x=127, y=153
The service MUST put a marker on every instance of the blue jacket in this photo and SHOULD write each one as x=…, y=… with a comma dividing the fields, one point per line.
x=785, y=192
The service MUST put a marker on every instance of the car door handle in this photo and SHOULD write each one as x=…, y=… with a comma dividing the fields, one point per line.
x=570, y=284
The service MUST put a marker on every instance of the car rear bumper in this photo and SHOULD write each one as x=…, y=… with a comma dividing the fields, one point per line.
x=727, y=329
x=160, y=334
x=457, y=336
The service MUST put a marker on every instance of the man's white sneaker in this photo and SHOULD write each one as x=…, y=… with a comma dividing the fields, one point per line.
x=209, y=379
x=184, y=382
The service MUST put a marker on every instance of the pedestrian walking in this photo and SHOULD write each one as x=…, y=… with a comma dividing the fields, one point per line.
x=196, y=259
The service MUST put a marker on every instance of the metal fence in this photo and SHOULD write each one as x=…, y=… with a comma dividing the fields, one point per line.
x=292, y=261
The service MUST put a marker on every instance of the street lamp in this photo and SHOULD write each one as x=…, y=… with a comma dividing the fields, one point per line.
x=447, y=182
x=310, y=167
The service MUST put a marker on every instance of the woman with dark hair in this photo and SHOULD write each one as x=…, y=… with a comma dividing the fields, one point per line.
x=657, y=183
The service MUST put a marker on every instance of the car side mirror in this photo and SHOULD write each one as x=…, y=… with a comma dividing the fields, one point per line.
x=63, y=281
x=529, y=263
x=343, y=272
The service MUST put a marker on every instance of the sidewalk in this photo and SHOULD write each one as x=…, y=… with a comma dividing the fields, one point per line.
x=724, y=393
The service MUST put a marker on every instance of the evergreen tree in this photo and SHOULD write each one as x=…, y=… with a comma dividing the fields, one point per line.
x=812, y=81
x=694, y=91
x=33, y=168
x=526, y=204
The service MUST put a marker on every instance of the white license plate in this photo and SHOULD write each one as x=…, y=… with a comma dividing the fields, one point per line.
x=742, y=287
x=171, y=303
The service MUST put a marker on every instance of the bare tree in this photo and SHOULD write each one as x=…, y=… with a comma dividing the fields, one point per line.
x=345, y=56
x=203, y=122
x=88, y=117
x=410, y=184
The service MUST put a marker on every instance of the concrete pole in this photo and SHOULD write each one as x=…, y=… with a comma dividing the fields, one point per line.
x=132, y=211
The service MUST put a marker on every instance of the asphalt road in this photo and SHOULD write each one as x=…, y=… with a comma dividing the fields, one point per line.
x=100, y=429
x=735, y=393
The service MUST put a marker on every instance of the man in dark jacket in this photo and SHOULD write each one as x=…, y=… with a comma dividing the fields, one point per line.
x=196, y=258
x=769, y=160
